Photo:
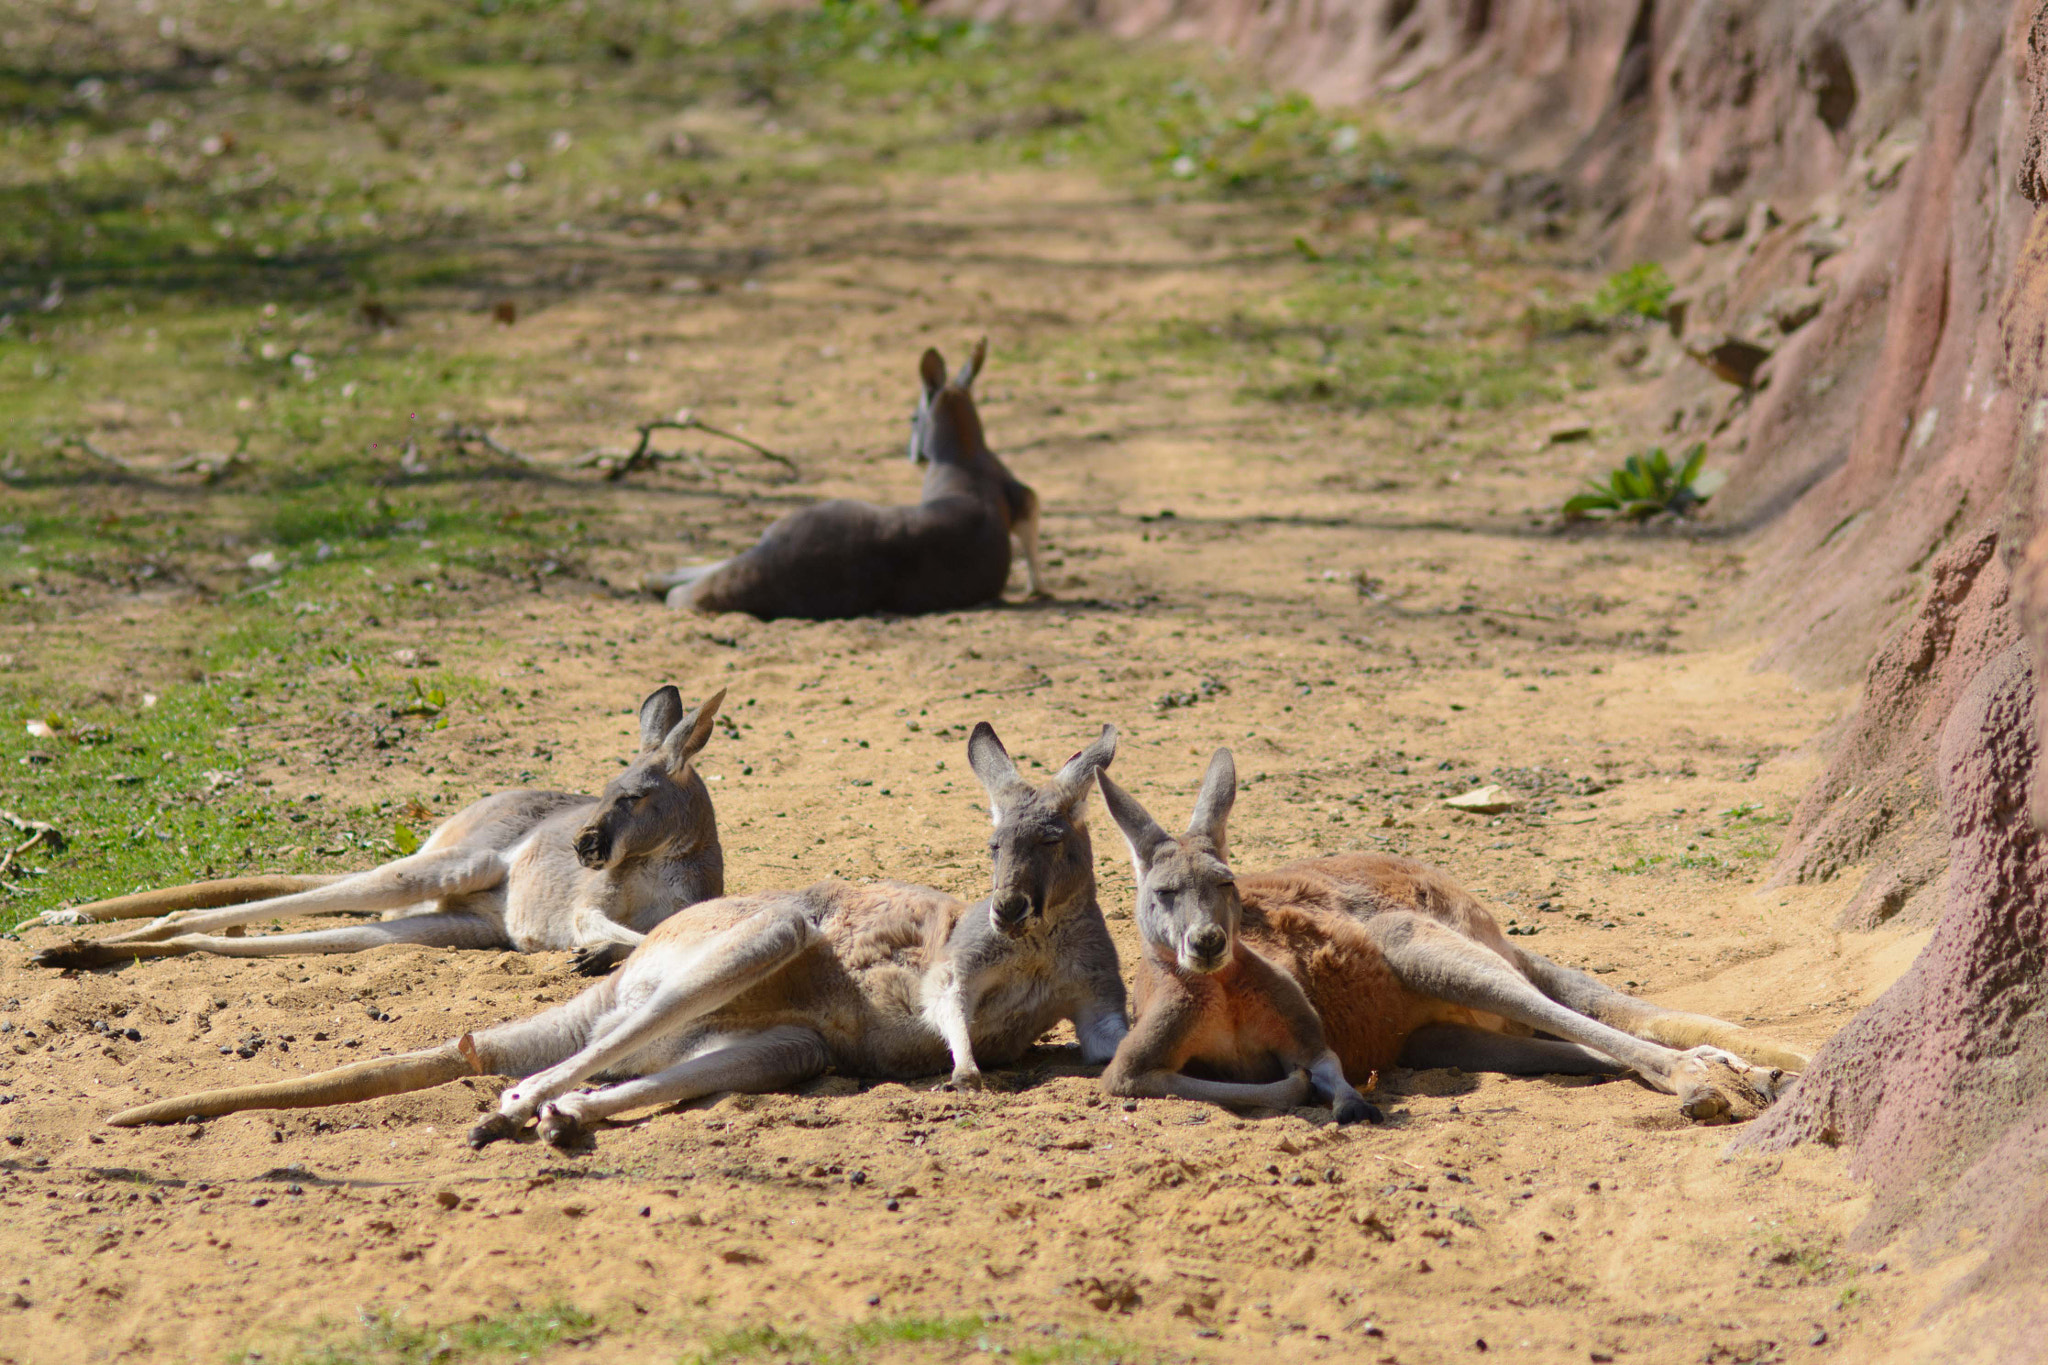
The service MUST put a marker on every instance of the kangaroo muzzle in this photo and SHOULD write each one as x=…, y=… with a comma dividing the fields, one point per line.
x=1011, y=911
x=1207, y=950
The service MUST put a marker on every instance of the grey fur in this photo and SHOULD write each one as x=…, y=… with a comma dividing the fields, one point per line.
x=849, y=558
x=527, y=870
x=762, y=992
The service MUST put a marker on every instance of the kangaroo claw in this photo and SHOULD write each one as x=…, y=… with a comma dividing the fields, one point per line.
x=598, y=961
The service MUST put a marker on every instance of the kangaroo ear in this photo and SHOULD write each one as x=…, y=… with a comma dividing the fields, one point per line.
x=932, y=369
x=965, y=379
x=1070, y=787
x=994, y=770
x=1213, y=803
x=690, y=735
x=1140, y=830
x=658, y=715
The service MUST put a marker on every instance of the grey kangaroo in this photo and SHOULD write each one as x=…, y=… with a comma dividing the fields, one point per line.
x=849, y=558
x=763, y=992
x=529, y=870
x=1263, y=988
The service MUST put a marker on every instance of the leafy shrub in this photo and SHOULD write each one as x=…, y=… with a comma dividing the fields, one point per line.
x=1640, y=291
x=1646, y=485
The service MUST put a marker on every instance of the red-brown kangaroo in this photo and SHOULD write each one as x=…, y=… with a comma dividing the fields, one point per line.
x=1265, y=988
x=849, y=558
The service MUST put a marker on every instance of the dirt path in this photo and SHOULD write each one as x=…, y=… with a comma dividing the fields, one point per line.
x=1357, y=604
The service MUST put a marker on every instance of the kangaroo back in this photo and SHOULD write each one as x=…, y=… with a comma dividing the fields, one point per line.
x=848, y=558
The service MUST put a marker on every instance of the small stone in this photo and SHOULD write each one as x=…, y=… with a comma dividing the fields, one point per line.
x=1487, y=800
x=1793, y=308
x=258, y=1202
x=448, y=1199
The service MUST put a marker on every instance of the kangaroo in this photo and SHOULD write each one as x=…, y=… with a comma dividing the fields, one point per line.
x=529, y=870
x=1277, y=985
x=762, y=992
x=849, y=558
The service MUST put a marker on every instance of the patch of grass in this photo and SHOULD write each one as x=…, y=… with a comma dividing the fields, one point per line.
x=898, y=1338
x=386, y=1338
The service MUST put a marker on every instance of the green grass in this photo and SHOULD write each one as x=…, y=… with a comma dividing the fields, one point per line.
x=885, y=1339
x=386, y=1338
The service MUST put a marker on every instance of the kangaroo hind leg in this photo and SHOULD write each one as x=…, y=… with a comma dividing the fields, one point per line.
x=1595, y=999
x=666, y=988
x=1477, y=1049
x=434, y=930
x=394, y=886
x=774, y=1059
x=1436, y=962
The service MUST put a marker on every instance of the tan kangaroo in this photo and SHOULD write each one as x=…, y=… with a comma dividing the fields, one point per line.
x=763, y=992
x=849, y=558
x=529, y=870
x=1265, y=988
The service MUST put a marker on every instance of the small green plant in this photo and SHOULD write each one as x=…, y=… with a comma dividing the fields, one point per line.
x=1646, y=485
x=404, y=839
x=1641, y=291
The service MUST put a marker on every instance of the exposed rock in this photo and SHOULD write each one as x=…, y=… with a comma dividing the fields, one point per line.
x=1730, y=358
x=1795, y=305
x=1717, y=220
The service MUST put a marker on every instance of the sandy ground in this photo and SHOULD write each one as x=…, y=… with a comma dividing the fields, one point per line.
x=1359, y=605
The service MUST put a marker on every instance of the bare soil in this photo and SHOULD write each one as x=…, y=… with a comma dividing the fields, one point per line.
x=1360, y=604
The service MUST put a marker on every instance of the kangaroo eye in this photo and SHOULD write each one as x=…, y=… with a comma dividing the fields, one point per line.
x=1052, y=836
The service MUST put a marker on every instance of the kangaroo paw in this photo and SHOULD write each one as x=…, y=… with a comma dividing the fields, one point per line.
x=562, y=1131
x=492, y=1128
x=1356, y=1108
x=964, y=1080
x=597, y=961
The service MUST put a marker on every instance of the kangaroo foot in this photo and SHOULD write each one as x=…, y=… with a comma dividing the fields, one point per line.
x=78, y=954
x=562, y=1131
x=964, y=1080
x=1715, y=1086
x=492, y=1128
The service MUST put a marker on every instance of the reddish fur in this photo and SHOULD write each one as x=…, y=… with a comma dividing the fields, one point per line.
x=1304, y=920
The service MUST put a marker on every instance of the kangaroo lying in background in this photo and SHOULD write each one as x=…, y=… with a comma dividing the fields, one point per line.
x=1275, y=985
x=848, y=558
x=530, y=870
x=763, y=992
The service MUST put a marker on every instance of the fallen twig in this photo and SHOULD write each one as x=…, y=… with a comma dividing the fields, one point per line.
x=38, y=831
x=85, y=444
x=618, y=464
x=461, y=433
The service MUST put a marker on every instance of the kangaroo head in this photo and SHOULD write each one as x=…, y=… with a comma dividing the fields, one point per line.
x=946, y=429
x=657, y=797
x=1187, y=899
x=1043, y=860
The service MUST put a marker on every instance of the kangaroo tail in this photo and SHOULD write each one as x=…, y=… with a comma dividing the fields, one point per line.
x=193, y=896
x=344, y=1085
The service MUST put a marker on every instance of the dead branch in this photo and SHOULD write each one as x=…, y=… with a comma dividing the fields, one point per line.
x=38, y=831
x=618, y=464
x=462, y=433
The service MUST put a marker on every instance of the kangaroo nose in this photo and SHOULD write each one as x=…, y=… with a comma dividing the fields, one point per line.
x=1009, y=909
x=1209, y=942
